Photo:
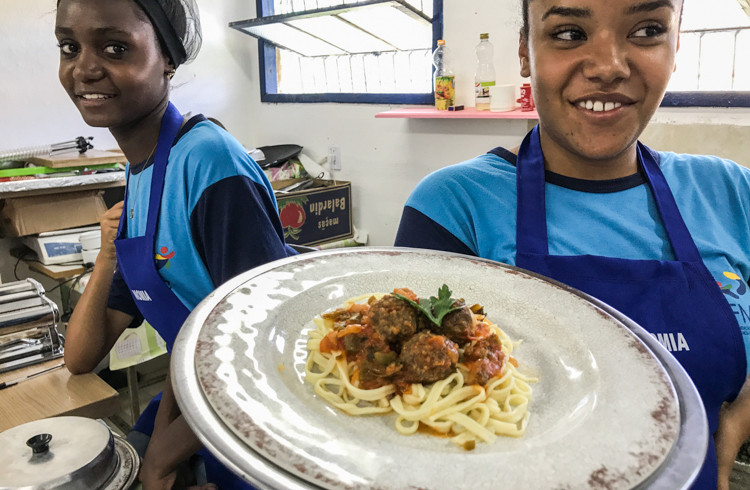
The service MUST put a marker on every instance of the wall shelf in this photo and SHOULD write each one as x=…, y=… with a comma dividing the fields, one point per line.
x=467, y=113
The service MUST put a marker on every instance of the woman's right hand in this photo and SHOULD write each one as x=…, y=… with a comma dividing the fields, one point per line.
x=109, y=223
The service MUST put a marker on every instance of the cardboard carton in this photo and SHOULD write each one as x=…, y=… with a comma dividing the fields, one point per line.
x=37, y=214
x=317, y=214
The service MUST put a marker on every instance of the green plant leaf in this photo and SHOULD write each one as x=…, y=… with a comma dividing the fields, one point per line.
x=434, y=308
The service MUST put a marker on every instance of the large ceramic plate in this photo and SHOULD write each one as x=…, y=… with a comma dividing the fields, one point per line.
x=607, y=412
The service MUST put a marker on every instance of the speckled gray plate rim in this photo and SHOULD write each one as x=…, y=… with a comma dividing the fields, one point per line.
x=604, y=414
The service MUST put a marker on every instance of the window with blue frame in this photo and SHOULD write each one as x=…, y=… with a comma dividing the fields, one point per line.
x=365, y=51
x=713, y=63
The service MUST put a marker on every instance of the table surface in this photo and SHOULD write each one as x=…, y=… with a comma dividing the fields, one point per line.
x=55, y=393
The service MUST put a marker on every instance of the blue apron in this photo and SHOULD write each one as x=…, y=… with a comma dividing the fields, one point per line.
x=154, y=299
x=664, y=297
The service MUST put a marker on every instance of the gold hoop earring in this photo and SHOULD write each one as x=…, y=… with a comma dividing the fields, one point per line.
x=170, y=73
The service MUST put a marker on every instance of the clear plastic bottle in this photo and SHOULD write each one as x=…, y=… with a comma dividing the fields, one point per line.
x=484, y=77
x=445, y=80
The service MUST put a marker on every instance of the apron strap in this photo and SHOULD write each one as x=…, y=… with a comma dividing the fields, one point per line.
x=170, y=126
x=531, y=215
x=122, y=226
x=679, y=236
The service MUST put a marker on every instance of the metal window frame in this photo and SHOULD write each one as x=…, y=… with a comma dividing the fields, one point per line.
x=706, y=99
x=267, y=65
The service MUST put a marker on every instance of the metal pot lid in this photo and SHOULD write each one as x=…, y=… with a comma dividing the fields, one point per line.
x=65, y=453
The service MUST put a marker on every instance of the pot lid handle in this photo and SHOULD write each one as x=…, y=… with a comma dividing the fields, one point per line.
x=39, y=443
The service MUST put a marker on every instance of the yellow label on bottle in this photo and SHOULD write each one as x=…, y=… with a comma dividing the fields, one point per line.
x=445, y=92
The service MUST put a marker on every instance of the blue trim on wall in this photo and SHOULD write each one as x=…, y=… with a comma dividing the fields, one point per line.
x=706, y=99
x=266, y=53
x=437, y=22
x=267, y=65
x=267, y=61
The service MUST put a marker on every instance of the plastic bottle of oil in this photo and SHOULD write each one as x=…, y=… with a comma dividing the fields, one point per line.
x=445, y=80
x=484, y=77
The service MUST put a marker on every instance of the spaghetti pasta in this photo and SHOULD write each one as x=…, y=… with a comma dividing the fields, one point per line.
x=480, y=393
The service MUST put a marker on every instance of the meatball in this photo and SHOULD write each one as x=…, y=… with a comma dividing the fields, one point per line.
x=458, y=325
x=427, y=357
x=487, y=348
x=393, y=318
x=484, y=358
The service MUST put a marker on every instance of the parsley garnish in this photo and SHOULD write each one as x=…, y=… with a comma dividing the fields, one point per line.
x=434, y=308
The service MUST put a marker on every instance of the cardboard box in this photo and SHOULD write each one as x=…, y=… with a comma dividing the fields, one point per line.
x=36, y=214
x=317, y=214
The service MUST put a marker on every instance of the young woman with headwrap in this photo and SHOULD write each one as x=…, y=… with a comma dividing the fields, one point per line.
x=197, y=210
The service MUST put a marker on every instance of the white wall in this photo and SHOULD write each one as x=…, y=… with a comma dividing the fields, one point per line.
x=384, y=158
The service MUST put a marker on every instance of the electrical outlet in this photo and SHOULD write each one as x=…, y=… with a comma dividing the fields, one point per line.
x=334, y=157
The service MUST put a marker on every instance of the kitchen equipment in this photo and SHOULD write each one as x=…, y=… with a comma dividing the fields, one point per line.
x=28, y=325
x=68, y=453
x=80, y=143
x=90, y=245
x=239, y=364
x=58, y=247
x=14, y=382
x=276, y=155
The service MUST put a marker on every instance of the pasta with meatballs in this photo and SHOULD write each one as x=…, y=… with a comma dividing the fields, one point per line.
x=439, y=364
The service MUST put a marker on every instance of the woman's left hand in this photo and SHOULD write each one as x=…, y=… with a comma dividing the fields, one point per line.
x=734, y=429
x=153, y=478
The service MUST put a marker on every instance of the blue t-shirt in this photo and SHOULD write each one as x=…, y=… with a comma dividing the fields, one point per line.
x=218, y=216
x=470, y=208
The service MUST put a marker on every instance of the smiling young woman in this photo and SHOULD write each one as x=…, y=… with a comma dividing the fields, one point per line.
x=114, y=70
x=584, y=202
x=597, y=75
x=199, y=209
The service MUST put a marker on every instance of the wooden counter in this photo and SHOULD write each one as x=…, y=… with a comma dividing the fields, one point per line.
x=54, y=393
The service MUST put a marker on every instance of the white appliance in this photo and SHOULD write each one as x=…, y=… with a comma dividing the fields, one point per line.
x=58, y=247
x=91, y=242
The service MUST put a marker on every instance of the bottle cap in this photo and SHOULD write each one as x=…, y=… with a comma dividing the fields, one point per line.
x=441, y=42
x=484, y=35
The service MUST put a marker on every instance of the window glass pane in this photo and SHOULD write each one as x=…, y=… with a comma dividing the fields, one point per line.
x=684, y=78
x=344, y=65
x=371, y=67
x=713, y=53
x=294, y=39
x=332, y=75
x=341, y=34
x=387, y=72
x=702, y=14
x=359, y=80
x=289, y=74
x=742, y=70
x=423, y=6
x=289, y=6
x=393, y=26
x=717, y=53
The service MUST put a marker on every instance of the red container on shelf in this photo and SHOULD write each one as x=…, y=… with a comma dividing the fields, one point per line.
x=526, y=100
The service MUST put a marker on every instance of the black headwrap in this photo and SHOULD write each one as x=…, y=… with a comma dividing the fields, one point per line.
x=164, y=30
